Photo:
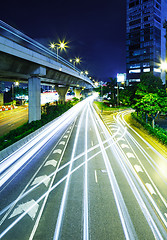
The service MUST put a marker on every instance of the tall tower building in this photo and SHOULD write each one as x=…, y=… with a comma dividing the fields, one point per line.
x=145, y=38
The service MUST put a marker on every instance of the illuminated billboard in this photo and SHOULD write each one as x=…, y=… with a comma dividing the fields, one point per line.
x=121, y=77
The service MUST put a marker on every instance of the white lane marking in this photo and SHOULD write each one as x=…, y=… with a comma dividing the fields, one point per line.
x=104, y=171
x=150, y=188
x=59, y=151
x=90, y=129
x=92, y=143
x=96, y=176
x=130, y=155
x=138, y=168
x=113, y=129
x=45, y=179
x=165, y=215
x=62, y=143
x=124, y=146
x=24, y=207
x=65, y=136
x=51, y=162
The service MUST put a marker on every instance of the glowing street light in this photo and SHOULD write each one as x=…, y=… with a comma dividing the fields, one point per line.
x=86, y=72
x=62, y=45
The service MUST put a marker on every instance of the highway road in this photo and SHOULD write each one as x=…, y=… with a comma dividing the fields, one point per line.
x=82, y=178
x=12, y=119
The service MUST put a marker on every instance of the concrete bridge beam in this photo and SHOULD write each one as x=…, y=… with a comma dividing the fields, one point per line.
x=62, y=91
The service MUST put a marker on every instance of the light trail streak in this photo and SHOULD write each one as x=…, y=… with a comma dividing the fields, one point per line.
x=129, y=178
x=61, y=168
x=11, y=164
x=46, y=197
x=125, y=219
x=23, y=193
x=43, y=196
x=85, y=231
x=63, y=202
x=152, y=182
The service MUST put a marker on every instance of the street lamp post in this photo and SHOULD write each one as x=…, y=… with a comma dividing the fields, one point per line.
x=61, y=45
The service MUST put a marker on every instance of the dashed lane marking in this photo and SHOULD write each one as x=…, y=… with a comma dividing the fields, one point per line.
x=51, y=162
x=130, y=155
x=138, y=168
x=150, y=188
x=65, y=136
x=62, y=143
x=124, y=146
x=59, y=151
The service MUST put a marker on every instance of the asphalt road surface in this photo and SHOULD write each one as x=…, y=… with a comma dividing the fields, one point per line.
x=12, y=119
x=88, y=179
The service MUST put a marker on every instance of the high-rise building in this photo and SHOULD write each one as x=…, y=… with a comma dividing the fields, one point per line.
x=145, y=41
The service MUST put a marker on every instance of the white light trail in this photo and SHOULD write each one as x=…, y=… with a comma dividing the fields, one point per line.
x=63, y=202
x=15, y=161
x=131, y=181
x=128, y=228
x=85, y=230
x=60, y=168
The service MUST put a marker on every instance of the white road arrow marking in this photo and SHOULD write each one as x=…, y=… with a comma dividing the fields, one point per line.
x=59, y=151
x=138, y=168
x=24, y=207
x=45, y=179
x=51, y=162
x=150, y=188
x=130, y=155
x=124, y=146
x=65, y=136
x=62, y=143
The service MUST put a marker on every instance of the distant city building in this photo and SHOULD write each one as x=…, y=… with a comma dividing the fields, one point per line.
x=145, y=41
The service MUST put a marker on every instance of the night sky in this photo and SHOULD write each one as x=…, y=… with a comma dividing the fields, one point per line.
x=95, y=30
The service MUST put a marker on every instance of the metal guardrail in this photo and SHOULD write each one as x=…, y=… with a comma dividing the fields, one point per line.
x=22, y=39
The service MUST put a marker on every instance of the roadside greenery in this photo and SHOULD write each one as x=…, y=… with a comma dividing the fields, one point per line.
x=50, y=112
x=159, y=133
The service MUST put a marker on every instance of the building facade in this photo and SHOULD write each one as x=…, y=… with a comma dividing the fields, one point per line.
x=145, y=38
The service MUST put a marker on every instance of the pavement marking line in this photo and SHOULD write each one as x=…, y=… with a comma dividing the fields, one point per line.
x=138, y=168
x=65, y=192
x=65, y=136
x=165, y=215
x=150, y=188
x=59, y=151
x=130, y=155
x=85, y=200
x=24, y=207
x=124, y=146
x=96, y=176
x=49, y=190
x=104, y=171
x=44, y=179
x=51, y=162
x=92, y=143
x=62, y=143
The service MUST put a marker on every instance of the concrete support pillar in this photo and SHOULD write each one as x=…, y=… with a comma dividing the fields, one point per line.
x=34, y=95
x=62, y=91
x=77, y=92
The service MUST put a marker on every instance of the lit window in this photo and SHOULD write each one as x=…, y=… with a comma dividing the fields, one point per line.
x=135, y=71
x=146, y=70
